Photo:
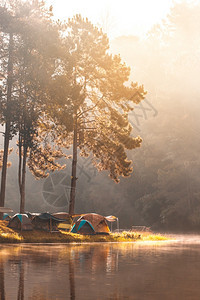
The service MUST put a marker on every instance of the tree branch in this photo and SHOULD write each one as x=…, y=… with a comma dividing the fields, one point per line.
x=89, y=109
x=2, y=76
x=4, y=55
x=89, y=128
x=86, y=122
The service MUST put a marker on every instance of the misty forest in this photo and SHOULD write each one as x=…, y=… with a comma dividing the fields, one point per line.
x=90, y=124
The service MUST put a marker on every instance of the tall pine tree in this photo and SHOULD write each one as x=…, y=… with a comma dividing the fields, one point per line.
x=101, y=103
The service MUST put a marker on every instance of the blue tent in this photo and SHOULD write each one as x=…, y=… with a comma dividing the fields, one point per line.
x=20, y=222
x=6, y=217
x=83, y=227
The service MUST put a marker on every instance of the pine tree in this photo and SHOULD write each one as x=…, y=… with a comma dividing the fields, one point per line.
x=101, y=103
x=36, y=47
x=7, y=31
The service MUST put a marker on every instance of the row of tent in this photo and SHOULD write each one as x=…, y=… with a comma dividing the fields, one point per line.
x=39, y=221
x=85, y=224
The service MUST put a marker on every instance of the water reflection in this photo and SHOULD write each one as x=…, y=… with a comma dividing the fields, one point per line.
x=71, y=277
x=101, y=271
x=2, y=288
x=21, y=282
x=41, y=271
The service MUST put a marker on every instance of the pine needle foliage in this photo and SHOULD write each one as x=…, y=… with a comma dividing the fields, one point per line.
x=103, y=99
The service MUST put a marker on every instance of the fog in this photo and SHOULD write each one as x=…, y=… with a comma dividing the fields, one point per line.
x=163, y=190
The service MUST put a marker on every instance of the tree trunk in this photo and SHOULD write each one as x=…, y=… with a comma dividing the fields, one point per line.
x=23, y=181
x=4, y=167
x=20, y=164
x=74, y=165
x=7, y=127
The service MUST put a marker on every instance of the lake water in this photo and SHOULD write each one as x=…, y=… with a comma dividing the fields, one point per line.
x=162, y=270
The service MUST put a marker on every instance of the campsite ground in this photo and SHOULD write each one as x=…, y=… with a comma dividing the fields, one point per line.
x=8, y=235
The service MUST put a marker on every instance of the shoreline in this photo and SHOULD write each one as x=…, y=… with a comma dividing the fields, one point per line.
x=8, y=235
x=69, y=238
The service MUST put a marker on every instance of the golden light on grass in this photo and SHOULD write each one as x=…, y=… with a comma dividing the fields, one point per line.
x=8, y=235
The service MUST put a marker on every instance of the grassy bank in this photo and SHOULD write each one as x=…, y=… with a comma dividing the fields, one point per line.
x=8, y=235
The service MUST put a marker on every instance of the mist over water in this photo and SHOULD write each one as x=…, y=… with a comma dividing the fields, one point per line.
x=151, y=270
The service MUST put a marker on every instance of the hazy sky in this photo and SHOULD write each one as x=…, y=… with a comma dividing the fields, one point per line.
x=118, y=17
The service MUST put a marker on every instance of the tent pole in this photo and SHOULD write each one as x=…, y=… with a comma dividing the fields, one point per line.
x=117, y=224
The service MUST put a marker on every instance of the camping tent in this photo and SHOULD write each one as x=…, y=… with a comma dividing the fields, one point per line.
x=6, y=217
x=62, y=215
x=46, y=221
x=91, y=224
x=20, y=222
x=83, y=227
x=31, y=215
x=67, y=223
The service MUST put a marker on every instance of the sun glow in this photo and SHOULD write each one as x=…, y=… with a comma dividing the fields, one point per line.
x=117, y=17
